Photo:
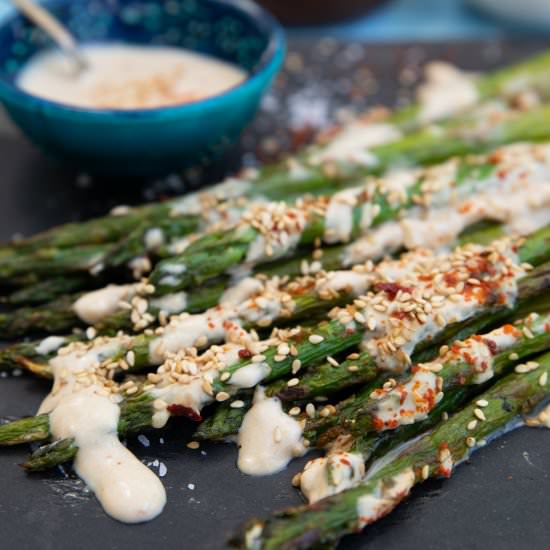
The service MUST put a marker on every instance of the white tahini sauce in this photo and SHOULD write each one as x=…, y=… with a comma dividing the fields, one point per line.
x=447, y=91
x=268, y=438
x=122, y=76
x=83, y=406
x=94, y=306
x=331, y=474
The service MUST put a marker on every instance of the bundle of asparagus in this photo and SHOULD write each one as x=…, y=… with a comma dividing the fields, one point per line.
x=383, y=351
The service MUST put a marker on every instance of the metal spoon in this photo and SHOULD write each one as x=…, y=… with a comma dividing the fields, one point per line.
x=55, y=29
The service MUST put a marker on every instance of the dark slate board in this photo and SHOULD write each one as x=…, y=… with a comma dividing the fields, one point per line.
x=500, y=499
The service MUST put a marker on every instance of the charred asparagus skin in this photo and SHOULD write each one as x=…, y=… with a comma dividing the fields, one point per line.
x=434, y=455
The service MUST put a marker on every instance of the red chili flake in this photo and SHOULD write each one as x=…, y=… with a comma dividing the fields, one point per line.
x=391, y=289
x=377, y=423
x=180, y=410
x=300, y=136
x=245, y=353
x=400, y=315
x=403, y=396
x=345, y=461
x=492, y=345
x=451, y=278
x=468, y=358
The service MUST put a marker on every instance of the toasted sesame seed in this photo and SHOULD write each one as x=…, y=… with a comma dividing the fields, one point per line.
x=482, y=403
x=222, y=396
x=237, y=404
x=296, y=365
x=470, y=441
x=543, y=379
x=472, y=424
x=478, y=413
x=131, y=358
x=295, y=411
x=315, y=339
x=353, y=368
x=193, y=445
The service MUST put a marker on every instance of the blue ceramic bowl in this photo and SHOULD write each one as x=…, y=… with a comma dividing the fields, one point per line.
x=147, y=141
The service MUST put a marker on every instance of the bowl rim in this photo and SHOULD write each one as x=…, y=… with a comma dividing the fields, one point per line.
x=269, y=62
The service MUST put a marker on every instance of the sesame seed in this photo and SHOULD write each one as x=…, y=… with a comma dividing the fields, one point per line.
x=333, y=361
x=225, y=376
x=425, y=471
x=543, y=379
x=296, y=365
x=238, y=404
x=277, y=434
x=315, y=339
x=528, y=333
x=513, y=356
x=258, y=358
x=470, y=441
x=279, y=358
x=353, y=368
x=310, y=410
x=222, y=396
x=445, y=416
x=472, y=425
x=131, y=391
x=131, y=358
x=478, y=413
x=481, y=443
x=482, y=402
x=293, y=382
x=193, y=445
x=91, y=333
x=295, y=411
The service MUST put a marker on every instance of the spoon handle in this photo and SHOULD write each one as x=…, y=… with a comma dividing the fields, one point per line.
x=52, y=26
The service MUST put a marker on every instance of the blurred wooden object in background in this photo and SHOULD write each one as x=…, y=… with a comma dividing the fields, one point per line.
x=314, y=12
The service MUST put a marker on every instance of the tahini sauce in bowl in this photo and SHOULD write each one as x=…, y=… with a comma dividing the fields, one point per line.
x=121, y=76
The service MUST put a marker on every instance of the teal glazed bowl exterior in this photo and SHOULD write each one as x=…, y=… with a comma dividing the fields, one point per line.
x=146, y=141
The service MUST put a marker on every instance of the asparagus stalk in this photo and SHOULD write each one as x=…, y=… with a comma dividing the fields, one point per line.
x=374, y=408
x=271, y=231
x=434, y=455
x=356, y=415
